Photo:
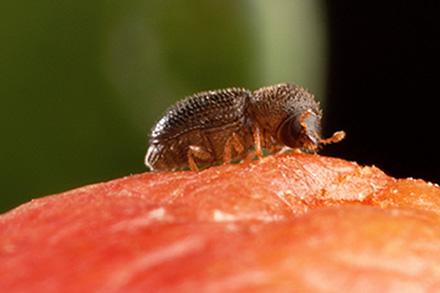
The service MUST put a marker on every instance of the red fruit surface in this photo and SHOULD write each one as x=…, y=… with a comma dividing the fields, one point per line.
x=285, y=223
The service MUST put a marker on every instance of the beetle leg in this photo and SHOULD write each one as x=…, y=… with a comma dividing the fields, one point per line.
x=249, y=157
x=297, y=151
x=233, y=142
x=271, y=145
x=199, y=153
x=280, y=149
x=257, y=141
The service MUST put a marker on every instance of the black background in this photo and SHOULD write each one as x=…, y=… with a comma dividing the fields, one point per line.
x=384, y=85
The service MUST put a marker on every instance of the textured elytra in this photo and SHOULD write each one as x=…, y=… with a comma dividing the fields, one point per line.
x=204, y=120
x=214, y=127
x=203, y=110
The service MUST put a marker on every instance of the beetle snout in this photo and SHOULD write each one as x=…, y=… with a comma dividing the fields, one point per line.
x=310, y=124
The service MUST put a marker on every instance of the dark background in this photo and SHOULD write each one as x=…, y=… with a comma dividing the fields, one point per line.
x=383, y=84
x=82, y=82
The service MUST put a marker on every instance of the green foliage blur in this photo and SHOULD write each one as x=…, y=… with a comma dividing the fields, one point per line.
x=82, y=82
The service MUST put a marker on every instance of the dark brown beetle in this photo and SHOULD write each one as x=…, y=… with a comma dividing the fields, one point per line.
x=219, y=126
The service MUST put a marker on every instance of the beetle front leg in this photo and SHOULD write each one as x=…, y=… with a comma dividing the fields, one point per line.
x=197, y=152
x=256, y=133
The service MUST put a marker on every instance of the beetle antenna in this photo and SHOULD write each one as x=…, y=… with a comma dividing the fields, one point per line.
x=336, y=137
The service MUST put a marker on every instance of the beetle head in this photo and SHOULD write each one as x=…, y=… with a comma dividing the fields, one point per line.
x=301, y=131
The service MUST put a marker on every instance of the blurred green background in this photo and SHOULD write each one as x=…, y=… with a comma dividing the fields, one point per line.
x=82, y=82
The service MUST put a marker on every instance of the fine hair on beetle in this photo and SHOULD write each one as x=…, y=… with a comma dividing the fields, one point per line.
x=235, y=124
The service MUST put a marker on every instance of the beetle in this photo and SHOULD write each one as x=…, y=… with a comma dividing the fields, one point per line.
x=221, y=126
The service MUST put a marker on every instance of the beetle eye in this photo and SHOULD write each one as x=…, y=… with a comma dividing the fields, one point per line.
x=289, y=132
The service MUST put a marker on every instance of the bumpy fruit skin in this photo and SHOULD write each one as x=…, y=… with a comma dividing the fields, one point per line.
x=285, y=223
